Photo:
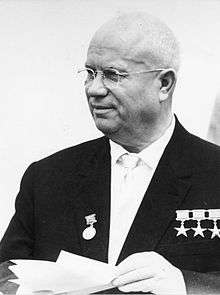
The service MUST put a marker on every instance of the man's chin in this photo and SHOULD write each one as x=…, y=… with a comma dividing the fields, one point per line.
x=107, y=128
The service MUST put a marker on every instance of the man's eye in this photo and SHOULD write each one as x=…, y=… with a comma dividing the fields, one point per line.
x=111, y=75
x=90, y=74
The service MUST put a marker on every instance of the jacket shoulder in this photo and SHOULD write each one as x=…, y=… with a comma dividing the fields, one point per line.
x=202, y=148
x=72, y=155
x=201, y=154
x=188, y=152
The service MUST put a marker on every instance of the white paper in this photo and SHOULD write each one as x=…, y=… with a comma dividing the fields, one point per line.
x=70, y=273
x=99, y=272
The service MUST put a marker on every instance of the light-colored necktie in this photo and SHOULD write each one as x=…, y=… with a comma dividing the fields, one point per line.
x=124, y=202
x=129, y=162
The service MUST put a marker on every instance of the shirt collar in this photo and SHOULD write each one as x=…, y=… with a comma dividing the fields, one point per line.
x=150, y=155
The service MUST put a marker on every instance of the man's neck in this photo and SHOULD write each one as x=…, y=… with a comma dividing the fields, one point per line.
x=137, y=142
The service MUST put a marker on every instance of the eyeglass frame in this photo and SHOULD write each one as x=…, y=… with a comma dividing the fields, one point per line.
x=119, y=74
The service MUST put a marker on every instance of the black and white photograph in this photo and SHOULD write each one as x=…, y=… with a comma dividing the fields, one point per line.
x=110, y=147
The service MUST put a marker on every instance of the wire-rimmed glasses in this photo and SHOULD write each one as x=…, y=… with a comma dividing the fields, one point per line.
x=111, y=78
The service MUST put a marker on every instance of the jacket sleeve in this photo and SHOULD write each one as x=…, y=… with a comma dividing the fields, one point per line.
x=201, y=283
x=18, y=240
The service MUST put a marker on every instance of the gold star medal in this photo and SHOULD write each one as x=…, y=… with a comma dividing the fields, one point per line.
x=89, y=232
x=214, y=214
x=182, y=216
x=198, y=215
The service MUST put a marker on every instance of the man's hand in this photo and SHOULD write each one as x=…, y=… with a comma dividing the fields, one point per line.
x=149, y=272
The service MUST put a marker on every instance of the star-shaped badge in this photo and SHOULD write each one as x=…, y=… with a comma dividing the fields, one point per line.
x=215, y=231
x=181, y=230
x=198, y=231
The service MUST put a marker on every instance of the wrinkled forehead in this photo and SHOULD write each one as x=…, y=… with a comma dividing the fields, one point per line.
x=137, y=38
x=101, y=57
x=115, y=46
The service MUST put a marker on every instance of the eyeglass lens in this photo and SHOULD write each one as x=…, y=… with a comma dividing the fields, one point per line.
x=109, y=76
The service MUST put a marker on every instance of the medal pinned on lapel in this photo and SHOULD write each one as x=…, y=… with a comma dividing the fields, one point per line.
x=89, y=232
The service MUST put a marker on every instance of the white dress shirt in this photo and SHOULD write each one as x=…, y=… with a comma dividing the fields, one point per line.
x=128, y=187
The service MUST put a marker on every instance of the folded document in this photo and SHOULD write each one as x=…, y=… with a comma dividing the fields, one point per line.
x=70, y=274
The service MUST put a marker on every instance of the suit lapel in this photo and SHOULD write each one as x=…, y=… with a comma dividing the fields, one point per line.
x=167, y=190
x=94, y=198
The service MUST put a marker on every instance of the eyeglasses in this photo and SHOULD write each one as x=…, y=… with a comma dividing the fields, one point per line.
x=111, y=77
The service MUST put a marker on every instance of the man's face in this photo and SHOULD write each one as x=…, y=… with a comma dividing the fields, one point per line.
x=125, y=110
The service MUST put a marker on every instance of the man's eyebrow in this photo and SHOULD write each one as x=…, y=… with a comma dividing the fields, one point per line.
x=109, y=67
x=118, y=68
x=89, y=66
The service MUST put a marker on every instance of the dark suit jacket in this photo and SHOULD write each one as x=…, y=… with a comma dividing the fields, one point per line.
x=58, y=192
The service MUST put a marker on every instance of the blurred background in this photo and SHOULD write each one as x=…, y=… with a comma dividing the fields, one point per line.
x=42, y=106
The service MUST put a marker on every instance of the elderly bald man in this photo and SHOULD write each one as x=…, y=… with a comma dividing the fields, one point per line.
x=144, y=196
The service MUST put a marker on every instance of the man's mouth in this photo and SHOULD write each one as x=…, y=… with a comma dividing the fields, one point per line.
x=102, y=109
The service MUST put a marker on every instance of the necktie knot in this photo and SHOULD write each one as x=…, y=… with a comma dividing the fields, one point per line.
x=129, y=161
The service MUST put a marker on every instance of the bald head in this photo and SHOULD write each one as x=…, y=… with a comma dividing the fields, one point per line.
x=142, y=38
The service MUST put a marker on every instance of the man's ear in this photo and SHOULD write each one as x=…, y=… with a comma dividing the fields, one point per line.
x=168, y=80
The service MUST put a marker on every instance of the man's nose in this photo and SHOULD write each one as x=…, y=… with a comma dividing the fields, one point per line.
x=97, y=87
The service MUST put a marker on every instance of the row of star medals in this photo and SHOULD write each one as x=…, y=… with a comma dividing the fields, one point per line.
x=198, y=231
